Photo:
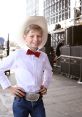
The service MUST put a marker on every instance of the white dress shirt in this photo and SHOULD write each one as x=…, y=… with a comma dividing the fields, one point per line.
x=30, y=72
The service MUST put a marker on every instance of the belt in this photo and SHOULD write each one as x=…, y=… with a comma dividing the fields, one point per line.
x=31, y=97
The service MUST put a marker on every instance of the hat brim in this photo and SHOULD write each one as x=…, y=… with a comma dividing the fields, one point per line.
x=37, y=20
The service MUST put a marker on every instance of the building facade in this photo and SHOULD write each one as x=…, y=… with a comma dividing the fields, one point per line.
x=32, y=7
x=55, y=11
x=62, y=14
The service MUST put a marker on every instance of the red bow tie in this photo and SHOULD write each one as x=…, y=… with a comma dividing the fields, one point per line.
x=30, y=52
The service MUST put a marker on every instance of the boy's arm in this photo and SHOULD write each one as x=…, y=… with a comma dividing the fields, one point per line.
x=5, y=65
x=47, y=73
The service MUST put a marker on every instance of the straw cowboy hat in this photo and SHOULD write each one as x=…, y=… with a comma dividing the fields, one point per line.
x=37, y=20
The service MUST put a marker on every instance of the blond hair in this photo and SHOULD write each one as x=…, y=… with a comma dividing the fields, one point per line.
x=33, y=27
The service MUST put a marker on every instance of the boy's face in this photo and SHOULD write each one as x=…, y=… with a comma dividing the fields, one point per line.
x=33, y=39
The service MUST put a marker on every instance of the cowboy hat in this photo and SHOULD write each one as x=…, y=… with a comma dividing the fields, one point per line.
x=37, y=20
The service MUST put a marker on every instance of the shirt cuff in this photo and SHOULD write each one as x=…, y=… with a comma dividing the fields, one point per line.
x=5, y=83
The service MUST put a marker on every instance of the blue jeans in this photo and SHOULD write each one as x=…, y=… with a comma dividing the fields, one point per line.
x=22, y=108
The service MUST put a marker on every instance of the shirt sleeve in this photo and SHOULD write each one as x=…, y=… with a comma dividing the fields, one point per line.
x=6, y=64
x=47, y=73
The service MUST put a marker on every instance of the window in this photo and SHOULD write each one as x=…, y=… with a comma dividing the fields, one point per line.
x=57, y=10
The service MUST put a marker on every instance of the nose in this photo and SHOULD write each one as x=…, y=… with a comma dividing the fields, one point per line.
x=36, y=38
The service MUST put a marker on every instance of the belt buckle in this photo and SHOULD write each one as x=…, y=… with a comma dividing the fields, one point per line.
x=32, y=96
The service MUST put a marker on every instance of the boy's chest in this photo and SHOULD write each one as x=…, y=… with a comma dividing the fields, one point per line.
x=30, y=63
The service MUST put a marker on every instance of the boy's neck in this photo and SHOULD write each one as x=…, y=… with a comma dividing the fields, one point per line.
x=27, y=47
x=33, y=49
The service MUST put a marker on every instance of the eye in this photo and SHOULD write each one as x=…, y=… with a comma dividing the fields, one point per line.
x=39, y=36
x=31, y=36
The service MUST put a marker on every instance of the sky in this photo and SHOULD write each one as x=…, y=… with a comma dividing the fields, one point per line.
x=12, y=15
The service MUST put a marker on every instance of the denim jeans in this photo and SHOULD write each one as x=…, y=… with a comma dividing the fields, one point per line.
x=22, y=108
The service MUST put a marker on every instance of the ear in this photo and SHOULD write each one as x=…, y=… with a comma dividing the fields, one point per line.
x=24, y=36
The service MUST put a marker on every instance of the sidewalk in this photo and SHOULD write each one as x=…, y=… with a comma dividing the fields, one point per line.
x=64, y=99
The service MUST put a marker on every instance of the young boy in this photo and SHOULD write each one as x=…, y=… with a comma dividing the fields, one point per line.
x=33, y=72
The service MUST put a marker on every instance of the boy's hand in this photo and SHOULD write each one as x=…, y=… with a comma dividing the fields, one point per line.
x=43, y=90
x=18, y=91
